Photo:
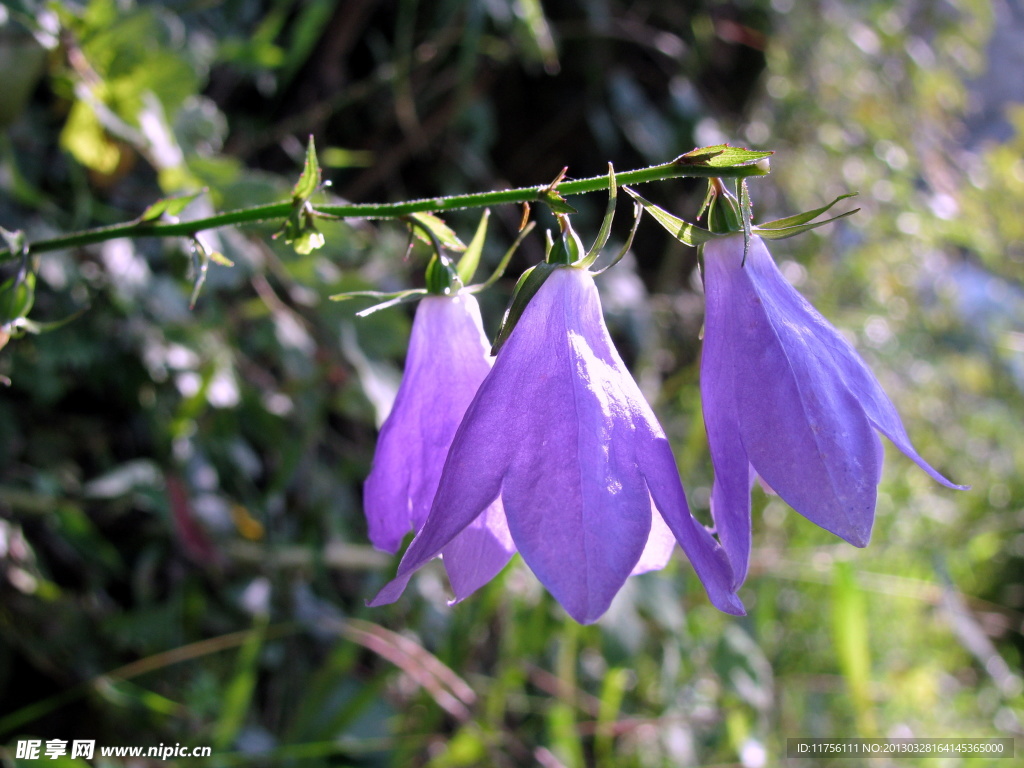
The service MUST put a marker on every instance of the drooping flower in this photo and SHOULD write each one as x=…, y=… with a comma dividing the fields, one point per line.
x=560, y=434
x=448, y=358
x=785, y=396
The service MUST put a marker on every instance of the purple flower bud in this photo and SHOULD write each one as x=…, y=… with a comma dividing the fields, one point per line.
x=561, y=436
x=448, y=358
x=785, y=396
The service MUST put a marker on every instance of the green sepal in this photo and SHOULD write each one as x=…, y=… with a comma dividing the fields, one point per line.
x=428, y=227
x=471, y=258
x=402, y=297
x=167, y=207
x=307, y=240
x=442, y=278
x=638, y=211
x=793, y=225
x=725, y=214
x=746, y=216
x=681, y=230
x=500, y=269
x=24, y=325
x=529, y=283
x=17, y=295
x=606, y=224
x=782, y=234
x=568, y=248
x=724, y=156
x=391, y=299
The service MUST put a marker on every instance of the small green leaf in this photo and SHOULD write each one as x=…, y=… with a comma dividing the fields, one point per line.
x=471, y=258
x=309, y=181
x=435, y=225
x=722, y=156
x=803, y=218
x=554, y=201
x=167, y=207
x=681, y=230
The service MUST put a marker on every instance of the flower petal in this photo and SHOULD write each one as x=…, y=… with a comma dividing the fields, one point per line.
x=705, y=554
x=803, y=430
x=471, y=480
x=660, y=544
x=850, y=367
x=576, y=503
x=478, y=554
x=730, y=493
x=448, y=358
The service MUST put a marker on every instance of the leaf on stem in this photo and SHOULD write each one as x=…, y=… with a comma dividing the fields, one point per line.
x=299, y=231
x=167, y=207
x=722, y=156
x=309, y=180
x=445, y=235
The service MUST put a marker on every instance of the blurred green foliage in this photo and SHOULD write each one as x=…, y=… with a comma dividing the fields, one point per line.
x=182, y=551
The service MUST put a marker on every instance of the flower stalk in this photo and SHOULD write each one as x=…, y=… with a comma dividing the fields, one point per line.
x=710, y=162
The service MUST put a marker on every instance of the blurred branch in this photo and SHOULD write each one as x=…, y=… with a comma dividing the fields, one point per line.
x=352, y=557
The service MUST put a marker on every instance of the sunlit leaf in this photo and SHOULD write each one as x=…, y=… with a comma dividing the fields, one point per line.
x=722, y=156
x=168, y=207
x=309, y=180
x=435, y=226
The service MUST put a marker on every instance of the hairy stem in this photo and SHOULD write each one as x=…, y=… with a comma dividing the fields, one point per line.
x=676, y=169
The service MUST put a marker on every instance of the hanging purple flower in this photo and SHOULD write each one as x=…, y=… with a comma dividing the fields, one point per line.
x=447, y=360
x=785, y=396
x=560, y=434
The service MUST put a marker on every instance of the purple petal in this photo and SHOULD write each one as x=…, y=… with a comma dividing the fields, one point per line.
x=478, y=554
x=471, y=480
x=661, y=542
x=448, y=358
x=803, y=430
x=730, y=493
x=850, y=367
x=705, y=554
x=577, y=506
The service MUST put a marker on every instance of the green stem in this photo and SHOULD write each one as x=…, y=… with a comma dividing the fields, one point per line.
x=276, y=211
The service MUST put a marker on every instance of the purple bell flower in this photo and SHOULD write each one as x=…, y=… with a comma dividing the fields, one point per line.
x=448, y=358
x=785, y=396
x=560, y=434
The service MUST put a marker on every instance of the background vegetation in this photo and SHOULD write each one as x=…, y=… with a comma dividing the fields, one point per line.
x=182, y=552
